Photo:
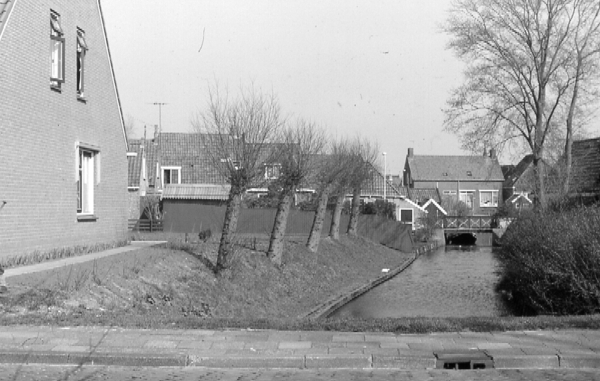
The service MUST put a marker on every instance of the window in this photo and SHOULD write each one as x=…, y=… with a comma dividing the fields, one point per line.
x=272, y=171
x=81, y=50
x=57, y=51
x=467, y=196
x=171, y=175
x=406, y=216
x=86, y=176
x=488, y=198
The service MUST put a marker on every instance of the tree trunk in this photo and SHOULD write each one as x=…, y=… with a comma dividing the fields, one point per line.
x=334, y=230
x=569, y=137
x=354, y=212
x=275, y=252
x=229, y=228
x=538, y=169
x=317, y=226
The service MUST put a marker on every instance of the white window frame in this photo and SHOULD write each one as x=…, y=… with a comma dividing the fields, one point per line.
x=87, y=177
x=271, y=167
x=170, y=168
x=57, y=51
x=412, y=222
x=491, y=191
x=467, y=191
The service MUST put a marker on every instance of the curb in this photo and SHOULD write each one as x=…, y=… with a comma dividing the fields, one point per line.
x=81, y=358
x=329, y=306
x=308, y=361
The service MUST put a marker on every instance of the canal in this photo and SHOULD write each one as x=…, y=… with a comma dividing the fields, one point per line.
x=448, y=282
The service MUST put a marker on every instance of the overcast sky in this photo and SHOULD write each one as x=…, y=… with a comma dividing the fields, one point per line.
x=375, y=68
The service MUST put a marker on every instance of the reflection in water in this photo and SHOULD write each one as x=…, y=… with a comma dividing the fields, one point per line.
x=448, y=282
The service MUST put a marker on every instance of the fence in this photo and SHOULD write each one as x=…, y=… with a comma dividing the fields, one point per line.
x=468, y=222
x=190, y=217
x=146, y=225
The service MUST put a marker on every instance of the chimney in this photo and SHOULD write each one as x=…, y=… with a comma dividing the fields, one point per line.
x=411, y=152
x=155, y=140
x=492, y=153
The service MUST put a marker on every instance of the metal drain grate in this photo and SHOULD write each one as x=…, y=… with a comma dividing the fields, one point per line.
x=459, y=360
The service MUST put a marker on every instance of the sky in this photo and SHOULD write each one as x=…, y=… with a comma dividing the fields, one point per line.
x=375, y=69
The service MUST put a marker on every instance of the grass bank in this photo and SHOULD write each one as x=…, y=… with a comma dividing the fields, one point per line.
x=175, y=283
x=172, y=287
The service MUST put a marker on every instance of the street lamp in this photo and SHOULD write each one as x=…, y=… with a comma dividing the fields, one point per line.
x=384, y=176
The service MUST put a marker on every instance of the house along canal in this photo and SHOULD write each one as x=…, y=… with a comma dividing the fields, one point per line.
x=448, y=282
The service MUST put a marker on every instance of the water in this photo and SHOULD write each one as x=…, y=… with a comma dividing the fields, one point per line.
x=448, y=282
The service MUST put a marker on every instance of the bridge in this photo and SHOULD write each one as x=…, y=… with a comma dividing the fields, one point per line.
x=485, y=223
x=460, y=230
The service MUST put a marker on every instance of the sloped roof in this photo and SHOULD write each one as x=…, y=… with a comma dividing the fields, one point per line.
x=134, y=163
x=585, y=172
x=517, y=171
x=5, y=8
x=374, y=187
x=454, y=168
x=196, y=192
x=187, y=150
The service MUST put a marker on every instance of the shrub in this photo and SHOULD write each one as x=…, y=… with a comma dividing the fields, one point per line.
x=550, y=263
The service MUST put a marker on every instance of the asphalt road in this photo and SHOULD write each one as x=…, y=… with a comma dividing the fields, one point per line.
x=93, y=373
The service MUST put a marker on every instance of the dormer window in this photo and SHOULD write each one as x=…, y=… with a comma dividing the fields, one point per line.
x=57, y=52
x=469, y=173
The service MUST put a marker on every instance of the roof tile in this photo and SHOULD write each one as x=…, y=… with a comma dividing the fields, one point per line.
x=453, y=168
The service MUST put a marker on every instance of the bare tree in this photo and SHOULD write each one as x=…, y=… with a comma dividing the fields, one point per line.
x=518, y=54
x=329, y=169
x=301, y=144
x=237, y=136
x=342, y=185
x=363, y=154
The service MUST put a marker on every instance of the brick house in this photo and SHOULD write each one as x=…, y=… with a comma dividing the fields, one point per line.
x=475, y=180
x=62, y=142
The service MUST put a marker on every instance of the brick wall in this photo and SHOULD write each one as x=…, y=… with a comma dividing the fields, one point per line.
x=133, y=210
x=40, y=128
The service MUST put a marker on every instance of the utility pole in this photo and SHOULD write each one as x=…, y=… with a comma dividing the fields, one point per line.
x=384, y=176
x=159, y=104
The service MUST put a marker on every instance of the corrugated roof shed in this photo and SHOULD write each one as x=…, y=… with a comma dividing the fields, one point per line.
x=453, y=168
x=196, y=192
x=585, y=175
x=374, y=187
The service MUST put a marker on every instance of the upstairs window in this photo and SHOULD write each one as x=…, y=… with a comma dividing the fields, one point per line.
x=171, y=175
x=272, y=171
x=81, y=50
x=488, y=198
x=57, y=51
